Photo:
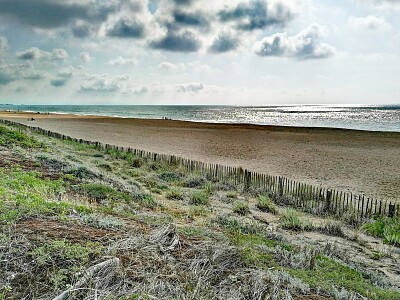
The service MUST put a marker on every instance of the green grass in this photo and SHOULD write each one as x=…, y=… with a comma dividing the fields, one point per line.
x=234, y=225
x=26, y=194
x=329, y=273
x=63, y=260
x=174, y=194
x=386, y=228
x=12, y=137
x=249, y=238
x=58, y=263
x=293, y=220
x=170, y=176
x=199, y=198
x=265, y=204
x=145, y=200
x=241, y=208
x=101, y=192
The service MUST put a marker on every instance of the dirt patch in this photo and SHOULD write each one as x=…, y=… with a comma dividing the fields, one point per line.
x=72, y=232
x=10, y=160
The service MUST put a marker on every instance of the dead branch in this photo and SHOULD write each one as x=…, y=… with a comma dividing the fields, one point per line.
x=112, y=263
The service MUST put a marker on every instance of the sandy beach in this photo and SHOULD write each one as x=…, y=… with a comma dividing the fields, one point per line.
x=358, y=161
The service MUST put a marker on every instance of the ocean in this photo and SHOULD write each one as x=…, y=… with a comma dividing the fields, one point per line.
x=372, y=118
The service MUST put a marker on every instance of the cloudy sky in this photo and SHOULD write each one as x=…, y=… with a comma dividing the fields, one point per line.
x=249, y=52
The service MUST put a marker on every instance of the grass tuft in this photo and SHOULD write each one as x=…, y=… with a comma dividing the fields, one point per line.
x=265, y=204
x=386, y=228
x=292, y=220
x=174, y=194
x=199, y=198
x=241, y=208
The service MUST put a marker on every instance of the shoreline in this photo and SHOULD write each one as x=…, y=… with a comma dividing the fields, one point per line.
x=233, y=124
x=362, y=162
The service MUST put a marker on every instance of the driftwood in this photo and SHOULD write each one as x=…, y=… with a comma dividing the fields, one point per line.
x=112, y=263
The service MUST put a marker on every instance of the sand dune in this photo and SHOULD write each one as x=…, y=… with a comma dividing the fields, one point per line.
x=358, y=161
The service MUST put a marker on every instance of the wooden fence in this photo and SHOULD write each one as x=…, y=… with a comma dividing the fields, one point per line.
x=284, y=191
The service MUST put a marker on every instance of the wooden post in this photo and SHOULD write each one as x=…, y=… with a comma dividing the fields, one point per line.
x=280, y=189
x=328, y=200
x=392, y=210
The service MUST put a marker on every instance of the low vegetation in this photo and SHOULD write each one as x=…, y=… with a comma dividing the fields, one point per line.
x=386, y=228
x=293, y=220
x=264, y=203
x=86, y=223
x=241, y=208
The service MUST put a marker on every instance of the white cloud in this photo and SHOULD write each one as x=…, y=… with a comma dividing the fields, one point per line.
x=368, y=23
x=122, y=61
x=35, y=53
x=193, y=87
x=170, y=67
x=85, y=57
x=14, y=72
x=103, y=84
x=305, y=45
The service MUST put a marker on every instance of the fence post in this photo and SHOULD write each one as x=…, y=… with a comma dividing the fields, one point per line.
x=247, y=180
x=328, y=200
x=280, y=189
x=392, y=209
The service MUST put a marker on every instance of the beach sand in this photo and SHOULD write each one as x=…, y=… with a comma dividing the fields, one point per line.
x=358, y=161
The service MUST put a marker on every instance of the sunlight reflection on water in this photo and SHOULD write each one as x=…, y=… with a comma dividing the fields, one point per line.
x=377, y=118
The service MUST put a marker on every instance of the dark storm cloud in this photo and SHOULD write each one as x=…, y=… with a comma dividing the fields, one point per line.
x=190, y=19
x=255, y=15
x=126, y=29
x=53, y=14
x=224, y=43
x=185, y=42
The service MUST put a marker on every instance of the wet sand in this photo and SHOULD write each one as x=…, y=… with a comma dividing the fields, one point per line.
x=358, y=161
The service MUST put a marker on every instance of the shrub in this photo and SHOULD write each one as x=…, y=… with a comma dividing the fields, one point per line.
x=199, y=198
x=195, y=182
x=170, y=176
x=241, y=208
x=82, y=173
x=174, y=194
x=101, y=192
x=136, y=162
x=291, y=219
x=264, y=203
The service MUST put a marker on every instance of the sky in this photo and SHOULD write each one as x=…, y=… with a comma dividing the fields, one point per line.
x=231, y=52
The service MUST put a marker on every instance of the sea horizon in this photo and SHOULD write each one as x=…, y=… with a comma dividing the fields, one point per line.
x=357, y=117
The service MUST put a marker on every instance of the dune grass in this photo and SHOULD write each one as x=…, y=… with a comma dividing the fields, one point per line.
x=170, y=234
